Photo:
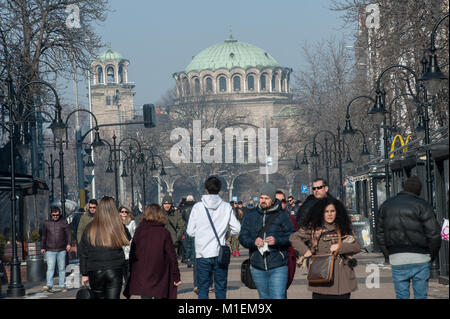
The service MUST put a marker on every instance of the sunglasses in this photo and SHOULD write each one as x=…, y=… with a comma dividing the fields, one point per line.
x=318, y=187
x=92, y=207
x=55, y=215
x=124, y=211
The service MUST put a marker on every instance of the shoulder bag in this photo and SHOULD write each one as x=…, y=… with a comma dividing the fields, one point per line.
x=224, y=252
x=321, y=267
x=246, y=275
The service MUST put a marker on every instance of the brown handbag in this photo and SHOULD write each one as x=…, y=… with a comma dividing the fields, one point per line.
x=321, y=267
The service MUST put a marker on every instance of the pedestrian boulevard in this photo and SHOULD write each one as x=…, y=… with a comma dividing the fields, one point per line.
x=368, y=265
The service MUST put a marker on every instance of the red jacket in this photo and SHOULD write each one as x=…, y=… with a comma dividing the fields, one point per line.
x=153, y=263
x=56, y=235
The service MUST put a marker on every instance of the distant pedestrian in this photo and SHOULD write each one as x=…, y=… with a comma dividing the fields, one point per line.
x=154, y=269
x=101, y=254
x=75, y=221
x=407, y=229
x=55, y=244
x=206, y=245
x=188, y=242
x=87, y=217
x=327, y=221
x=175, y=224
x=268, y=251
x=128, y=220
x=234, y=239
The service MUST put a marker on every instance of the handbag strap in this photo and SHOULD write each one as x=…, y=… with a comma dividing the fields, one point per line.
x=271, y=218
x=212, y=224
x=338, y=231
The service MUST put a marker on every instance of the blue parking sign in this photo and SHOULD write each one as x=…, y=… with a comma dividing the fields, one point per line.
x=304, y=189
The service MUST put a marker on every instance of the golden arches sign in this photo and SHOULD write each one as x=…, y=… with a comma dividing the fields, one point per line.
x=401, y=142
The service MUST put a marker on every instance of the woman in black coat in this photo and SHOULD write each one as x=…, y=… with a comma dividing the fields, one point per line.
x=101, y=254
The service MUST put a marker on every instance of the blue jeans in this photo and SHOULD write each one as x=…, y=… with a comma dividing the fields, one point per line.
x=207, y=268
x=52, y=257
x=402, y=275
x=271, y=284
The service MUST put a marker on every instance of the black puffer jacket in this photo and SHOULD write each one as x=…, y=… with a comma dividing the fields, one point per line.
x=305, y=210
x=406, y=223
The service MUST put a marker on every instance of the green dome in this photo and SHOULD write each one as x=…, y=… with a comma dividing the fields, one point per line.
x=231, y=54
x=109, y=55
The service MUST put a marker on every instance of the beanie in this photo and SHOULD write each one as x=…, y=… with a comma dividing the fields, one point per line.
x=167, y=199
x=268, y=189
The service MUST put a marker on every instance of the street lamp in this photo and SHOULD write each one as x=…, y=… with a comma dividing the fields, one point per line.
x=432, y=77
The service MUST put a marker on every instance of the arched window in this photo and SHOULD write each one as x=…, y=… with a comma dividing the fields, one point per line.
x=237, y=83
x=99, y=74
x=251, y=83
x=209, y=87
x=187, y=89
x=197, y=86
x=262, y=82
x=110, y=74
x=222, y=84
x=120, y=74
x=273, y=82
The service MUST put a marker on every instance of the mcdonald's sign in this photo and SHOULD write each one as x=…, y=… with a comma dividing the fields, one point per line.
x=398, y=136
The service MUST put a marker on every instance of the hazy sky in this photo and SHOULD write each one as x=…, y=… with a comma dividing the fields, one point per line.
x=160, y=37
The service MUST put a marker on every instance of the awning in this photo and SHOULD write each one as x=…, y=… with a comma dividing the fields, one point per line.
x=24, y=183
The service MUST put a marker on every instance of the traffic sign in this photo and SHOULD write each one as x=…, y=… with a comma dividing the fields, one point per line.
x=305, y=189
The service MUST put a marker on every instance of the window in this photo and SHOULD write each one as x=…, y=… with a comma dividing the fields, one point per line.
x=197, y=86
x=110, y=74
x=273, y=82
x=222, y=84
x=236, y=83
x=251, y=83
x=120, y=74
x=282, y=82
x=263, y=82
x=187, y=89
x=108, y=100
x=209, y=85
x=99, y=74
x=116, y=98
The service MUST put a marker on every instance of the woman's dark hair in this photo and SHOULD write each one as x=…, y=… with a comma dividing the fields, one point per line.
x=342, y=220
x=213, y=185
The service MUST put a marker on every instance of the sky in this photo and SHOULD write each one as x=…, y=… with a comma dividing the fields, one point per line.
x=161, y=37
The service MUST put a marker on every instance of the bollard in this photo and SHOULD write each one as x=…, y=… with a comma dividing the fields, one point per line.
x=35, y=268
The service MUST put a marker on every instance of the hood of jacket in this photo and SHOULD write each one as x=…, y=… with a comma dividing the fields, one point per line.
x=212, y=201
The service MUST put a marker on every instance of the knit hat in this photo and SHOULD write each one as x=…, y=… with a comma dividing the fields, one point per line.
x=268, y=189
x=190, y=198
x=167, y=199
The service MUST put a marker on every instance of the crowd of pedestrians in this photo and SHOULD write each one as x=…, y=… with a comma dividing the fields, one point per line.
x=141, y=257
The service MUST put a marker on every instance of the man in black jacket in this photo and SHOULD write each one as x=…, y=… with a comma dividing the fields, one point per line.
x=55, y=243
x=320, y=190
x=188, y=242
x=408, y=230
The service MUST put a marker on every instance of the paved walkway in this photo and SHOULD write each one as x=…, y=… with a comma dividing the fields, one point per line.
x=368, y=266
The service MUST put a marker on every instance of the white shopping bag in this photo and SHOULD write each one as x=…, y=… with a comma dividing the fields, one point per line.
x=444, y=230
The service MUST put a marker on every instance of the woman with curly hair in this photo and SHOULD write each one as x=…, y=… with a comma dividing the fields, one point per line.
x=319, y=235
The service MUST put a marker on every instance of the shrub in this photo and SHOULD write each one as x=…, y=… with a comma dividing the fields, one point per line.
x=34, y=237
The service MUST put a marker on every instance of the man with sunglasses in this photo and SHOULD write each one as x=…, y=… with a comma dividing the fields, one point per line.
x=55, y=243
x=320, y=190
x=86, y=218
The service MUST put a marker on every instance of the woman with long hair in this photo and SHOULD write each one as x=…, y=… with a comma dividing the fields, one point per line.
x=128, y=220
x=101, y=254
x=320, y=235
x=154, y=271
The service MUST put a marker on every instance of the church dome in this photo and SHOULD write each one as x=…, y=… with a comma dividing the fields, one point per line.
x=231, y=54
x=110, y=55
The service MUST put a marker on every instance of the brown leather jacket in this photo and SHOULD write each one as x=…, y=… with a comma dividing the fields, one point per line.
x=56, y=235
x=344, y=276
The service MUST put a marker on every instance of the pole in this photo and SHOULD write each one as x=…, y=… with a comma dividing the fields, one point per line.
x=116, y=170
x=341, y=182
x=386, y=157
x=159, y=189
x=61, y=173
x=265, y=148
x=15, y=288
x=52, y=175
x=143, y=185
x=132, y=186
x=435, y=268
x=92, y=133
x=327, y=168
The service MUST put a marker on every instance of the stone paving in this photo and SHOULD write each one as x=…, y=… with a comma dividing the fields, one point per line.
x=368, y=265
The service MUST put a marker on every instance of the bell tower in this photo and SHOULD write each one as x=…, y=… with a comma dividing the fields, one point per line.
x=112, y=95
